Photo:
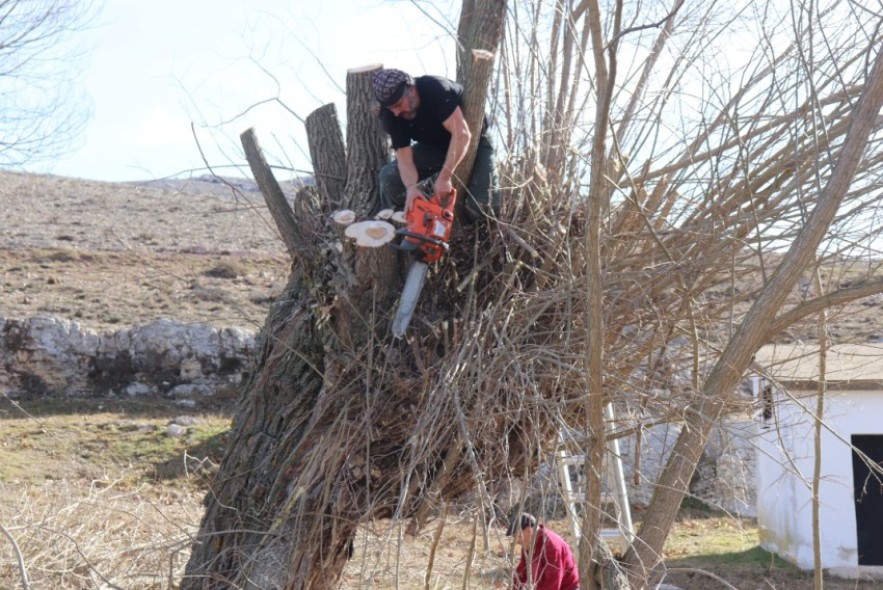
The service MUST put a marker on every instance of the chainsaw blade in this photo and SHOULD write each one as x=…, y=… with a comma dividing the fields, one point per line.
x=408, y=301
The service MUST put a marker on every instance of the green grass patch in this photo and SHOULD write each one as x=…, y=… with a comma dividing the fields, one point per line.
x=116, y=445
x=715, y=536
x=723, y=544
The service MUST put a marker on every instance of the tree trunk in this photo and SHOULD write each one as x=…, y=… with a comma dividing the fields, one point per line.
x=365, y=140
x=646, y=552
x=481, y=28
x=322, y=439
x=589, y=544
x=475, y=97
x=328, y=154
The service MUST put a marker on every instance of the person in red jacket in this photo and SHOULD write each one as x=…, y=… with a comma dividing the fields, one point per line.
x=547, y=562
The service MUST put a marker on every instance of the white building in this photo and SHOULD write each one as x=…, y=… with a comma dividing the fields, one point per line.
x=851, y=492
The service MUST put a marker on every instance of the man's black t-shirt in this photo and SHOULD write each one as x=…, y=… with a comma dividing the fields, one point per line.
x=439, y=97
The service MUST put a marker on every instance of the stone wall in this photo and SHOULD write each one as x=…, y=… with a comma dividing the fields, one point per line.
x=45, y=356
x=724, y=478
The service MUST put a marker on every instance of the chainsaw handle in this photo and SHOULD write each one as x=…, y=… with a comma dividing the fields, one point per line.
x=419, y=237
x=443, y=200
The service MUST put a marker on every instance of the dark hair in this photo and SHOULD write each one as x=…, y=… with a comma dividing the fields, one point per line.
x=521, y=522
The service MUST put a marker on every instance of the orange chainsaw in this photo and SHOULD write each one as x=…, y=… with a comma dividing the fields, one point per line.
x=425, y=236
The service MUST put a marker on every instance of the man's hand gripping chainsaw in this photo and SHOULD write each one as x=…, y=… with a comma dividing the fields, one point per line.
x=425, y=236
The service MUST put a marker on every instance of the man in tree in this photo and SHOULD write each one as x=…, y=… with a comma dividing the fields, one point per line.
x=547, y=562
x=428, y=112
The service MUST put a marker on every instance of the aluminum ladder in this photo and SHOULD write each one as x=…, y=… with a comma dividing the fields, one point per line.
x=615, y=491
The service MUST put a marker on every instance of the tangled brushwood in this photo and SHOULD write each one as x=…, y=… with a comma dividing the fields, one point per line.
x=646, y=279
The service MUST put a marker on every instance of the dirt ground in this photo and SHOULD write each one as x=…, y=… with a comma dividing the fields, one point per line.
x=111, y=255
x=118, y=255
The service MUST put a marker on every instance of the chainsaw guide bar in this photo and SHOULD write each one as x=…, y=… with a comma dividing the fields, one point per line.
x=429, y=225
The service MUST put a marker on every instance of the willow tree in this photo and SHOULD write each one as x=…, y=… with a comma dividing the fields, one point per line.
x=328, y=429
x=662, y=193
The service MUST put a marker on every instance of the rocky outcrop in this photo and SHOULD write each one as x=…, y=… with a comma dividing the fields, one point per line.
x=44, y=356
x=724, y=478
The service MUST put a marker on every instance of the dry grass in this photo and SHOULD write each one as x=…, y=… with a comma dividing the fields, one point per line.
x=95, y=495
x=77, y=535
x=97, y=498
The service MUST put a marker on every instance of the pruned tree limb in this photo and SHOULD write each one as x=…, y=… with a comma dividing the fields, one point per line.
x=273, y=195
x=481, y=28
x=366, y=142
x=474, y=98
x=328, y=154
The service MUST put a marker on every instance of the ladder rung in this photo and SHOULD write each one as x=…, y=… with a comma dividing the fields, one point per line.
x=580, y=497
x=611, y=533
x=572, y=460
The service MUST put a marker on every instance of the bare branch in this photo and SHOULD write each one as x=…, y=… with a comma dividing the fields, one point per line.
x=22, y=569
x=818, y=304
x=289, y=229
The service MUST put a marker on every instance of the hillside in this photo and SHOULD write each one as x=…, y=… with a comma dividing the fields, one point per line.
x=110, y=255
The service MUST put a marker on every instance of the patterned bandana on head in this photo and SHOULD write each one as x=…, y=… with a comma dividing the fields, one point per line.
x=389, y=85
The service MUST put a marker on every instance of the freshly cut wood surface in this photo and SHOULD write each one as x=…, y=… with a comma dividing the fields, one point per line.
x=371, y=233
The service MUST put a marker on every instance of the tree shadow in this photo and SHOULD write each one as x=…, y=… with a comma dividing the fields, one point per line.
x=200, y=461
x=222, y=402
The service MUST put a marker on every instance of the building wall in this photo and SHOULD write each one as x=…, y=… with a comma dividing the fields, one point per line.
x=785, y=468
x=725, y=475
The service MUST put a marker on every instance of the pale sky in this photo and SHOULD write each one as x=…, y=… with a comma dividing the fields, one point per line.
x=156, y=67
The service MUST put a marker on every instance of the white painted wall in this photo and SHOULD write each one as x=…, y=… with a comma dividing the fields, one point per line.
x=784, y=474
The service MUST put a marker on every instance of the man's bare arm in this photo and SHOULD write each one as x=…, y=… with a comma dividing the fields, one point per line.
x=408, y=173
x=460, y=136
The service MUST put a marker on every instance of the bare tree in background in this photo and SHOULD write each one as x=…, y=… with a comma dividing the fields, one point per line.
x=664, y=192
x=698, y=165
x=41, y=116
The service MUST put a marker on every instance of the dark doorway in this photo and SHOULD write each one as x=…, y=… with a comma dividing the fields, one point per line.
x=868, y=486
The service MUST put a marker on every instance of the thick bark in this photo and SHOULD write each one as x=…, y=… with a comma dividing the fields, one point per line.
x=255, y=519
x=289, y=230
x=366, y=143
x=479, y=35
x=328, y=154
x=646, y=552
x=480, y=28
x=465, y=34
x=474, y=99
x=324, y=435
